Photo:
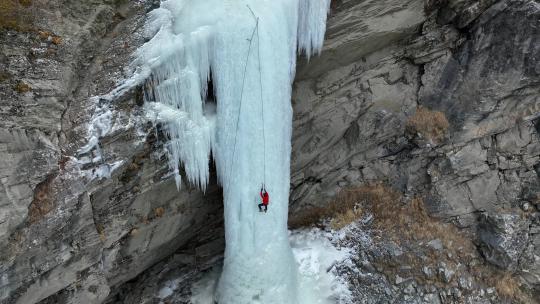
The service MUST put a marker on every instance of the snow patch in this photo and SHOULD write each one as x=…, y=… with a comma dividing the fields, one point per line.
x=316, y=255
x=168, y=289
x=204, y=290
x=90, y=160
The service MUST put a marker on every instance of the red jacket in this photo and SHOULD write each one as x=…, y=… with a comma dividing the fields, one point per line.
x=265, y=198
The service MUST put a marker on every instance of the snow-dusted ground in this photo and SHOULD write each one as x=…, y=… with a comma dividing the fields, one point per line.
x=316, y=254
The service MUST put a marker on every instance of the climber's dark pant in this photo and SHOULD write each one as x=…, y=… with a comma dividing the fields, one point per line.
x=265, y=207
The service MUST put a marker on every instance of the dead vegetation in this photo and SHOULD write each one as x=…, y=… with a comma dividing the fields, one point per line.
x=159, y=211
x=101, y=232
x=407, y=224
x=391, y=213
x=348, y=207
x=4, y=76
x=25, y=3
x=43, y=201
x=427, y=124
x=22, y=87
x=508, y=286
x=16, y=15
x=132, y=170
x=50, y=37
x=341, y=211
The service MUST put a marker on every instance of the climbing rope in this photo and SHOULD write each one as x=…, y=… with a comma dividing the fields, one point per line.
x=261, y=93
x=255, y=30
x=242, y=96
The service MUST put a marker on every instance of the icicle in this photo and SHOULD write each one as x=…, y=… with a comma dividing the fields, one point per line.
x=312, y=25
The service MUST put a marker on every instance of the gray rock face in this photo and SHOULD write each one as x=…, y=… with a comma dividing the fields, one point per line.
x=474, y=61
x=75, y=225
x=356, y=114
x=504, y=238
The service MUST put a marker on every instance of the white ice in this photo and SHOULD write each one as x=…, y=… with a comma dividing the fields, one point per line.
x=316, y=259
x=249, y=48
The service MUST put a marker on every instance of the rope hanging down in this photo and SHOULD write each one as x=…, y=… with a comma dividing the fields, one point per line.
x=255, y=30
x=260, y=91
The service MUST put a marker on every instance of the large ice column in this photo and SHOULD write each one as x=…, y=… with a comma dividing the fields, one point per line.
x=259, y=266
x=250, y=48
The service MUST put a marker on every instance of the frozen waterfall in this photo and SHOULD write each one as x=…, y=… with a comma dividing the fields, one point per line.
x=248, y=48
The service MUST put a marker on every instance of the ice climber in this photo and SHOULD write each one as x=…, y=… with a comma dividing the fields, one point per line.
x=265, y=200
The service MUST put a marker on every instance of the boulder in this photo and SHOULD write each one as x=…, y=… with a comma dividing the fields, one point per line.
x=503, y=238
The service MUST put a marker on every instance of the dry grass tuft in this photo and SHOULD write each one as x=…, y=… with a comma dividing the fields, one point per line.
x=15, y=15
x=308, y=217
x=22, y=87
x=159, y=211
x=346, y=207
x=507, y=286
x=134, y=232
x=343, y=219
x=4, y=76
x=44, y=35
x=26, y=3
x=431, y=125
x=56, y=40
x=42, y=203
x=397, y=218
x=48, y=36
x=101, y=232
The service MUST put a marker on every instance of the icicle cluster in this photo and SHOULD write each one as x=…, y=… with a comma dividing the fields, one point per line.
x=176, y=89
x=176, y=64
x=312, y=25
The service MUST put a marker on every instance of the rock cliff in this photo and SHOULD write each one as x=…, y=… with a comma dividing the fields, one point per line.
x=437, y=99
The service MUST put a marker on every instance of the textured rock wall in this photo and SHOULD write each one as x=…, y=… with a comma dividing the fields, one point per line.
x=357, y=113
x=70, y=233
x=477, y=62
x=70, y=230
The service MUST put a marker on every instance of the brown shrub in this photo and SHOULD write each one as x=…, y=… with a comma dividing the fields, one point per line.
x=410, y=221
x=345, y=208
x=44, y=35
x=101, y=232
x=42, y=202
x=4, y=76
x=22, y=87
x=343, y=219
x=15, y=15
x=159, y=211
x=134, y=167
x=308, y=217
x=507, y=286
x=48, y=36
x=392, y=215
x=56, y=40
x=431, y=125
x=26, y=3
